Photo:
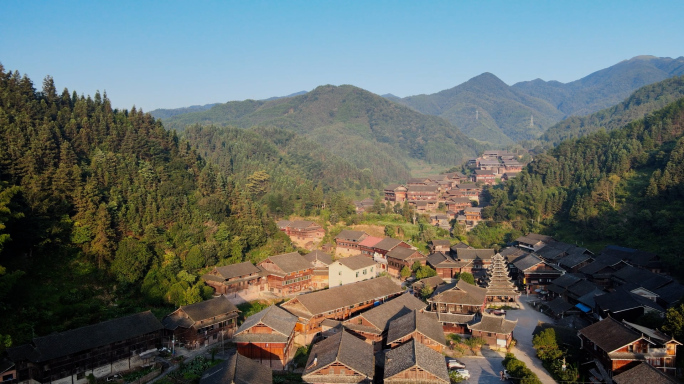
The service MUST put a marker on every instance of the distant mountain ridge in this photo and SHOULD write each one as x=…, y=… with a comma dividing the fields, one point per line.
x=487, y=109
x=367, y=130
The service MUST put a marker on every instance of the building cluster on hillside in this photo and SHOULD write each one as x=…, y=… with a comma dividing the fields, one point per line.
x=494, y=164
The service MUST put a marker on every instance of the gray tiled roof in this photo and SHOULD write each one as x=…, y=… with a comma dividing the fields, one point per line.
x=459, y=293
x=423, y=322
x=526, y=262
x=207, y=309
x=381, y=315
x=401, y=253
x=472, y=254
x=351, y=235
x=609, y=334
x=357, y=262
x=344, y=349
x=314, y=303
x=238, y=369
x=494, y=324
x=413, y=354
x=643, y=373
x=622, y=300
x=290, y=262
x=273, y=317
x=320, y=256
x=441, y=242
x=92, y=336
x=559, y=305
x=301, y=224
x=387, y=244
x=574, y=259
x=236, y=270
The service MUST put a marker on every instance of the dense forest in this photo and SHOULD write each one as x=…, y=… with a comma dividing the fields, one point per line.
x=365, y=129
x=105, y=212
x=624, y=187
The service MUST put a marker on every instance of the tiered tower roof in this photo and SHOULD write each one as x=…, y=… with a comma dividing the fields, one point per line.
x=498, y=282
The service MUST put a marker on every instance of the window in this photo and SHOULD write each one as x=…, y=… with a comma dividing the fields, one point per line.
x=364, y=271
x=340, y=273
x=371, y=269
x=357, y=274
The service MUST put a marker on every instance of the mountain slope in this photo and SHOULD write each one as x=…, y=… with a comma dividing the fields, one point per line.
x=603, y=88
x=361, y=127
x=503, y=114
x=643, y=101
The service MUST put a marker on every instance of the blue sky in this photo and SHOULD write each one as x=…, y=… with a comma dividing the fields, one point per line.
x=167, y=54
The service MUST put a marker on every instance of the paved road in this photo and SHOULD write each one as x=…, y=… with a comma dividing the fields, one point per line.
x=483, y=370
x=528, y=318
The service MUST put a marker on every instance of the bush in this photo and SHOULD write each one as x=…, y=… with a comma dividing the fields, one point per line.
x=518, y=371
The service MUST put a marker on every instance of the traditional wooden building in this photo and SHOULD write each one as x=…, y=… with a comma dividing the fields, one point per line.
x=432, y=282
x=422, y=192
x=381, y=248
x=340, y=303
x=623, y=304
x=422, y=327
x=535, y=274
x=401, y=257
x=8, y=371
x=512, y=166
x=446, y=267
x=439, y=245
x=321, y=263
x=373, y=324
x=304, y=233
x=234, y=278
x=500, y=288
x=287, y=273
x=468, y=190
x=367, y=245
x=643, y=373
x=621, y=345
x=203, y=323
x=458, y=204
x=458, y=298
x=495, y=330
x=413, y=362
x=102, y=349
x=533, y=241
x=341, y=358
x=480, y=258
x=484, y=176
x=473, y=215
x=268, y=337
x=395, y=193
x=237, y=369
x=365, y=205
x=348, y=242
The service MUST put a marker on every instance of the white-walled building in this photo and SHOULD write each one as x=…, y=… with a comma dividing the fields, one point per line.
x=352, y=269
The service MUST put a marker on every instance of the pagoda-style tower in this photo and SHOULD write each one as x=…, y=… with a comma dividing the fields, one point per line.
x=500, y=287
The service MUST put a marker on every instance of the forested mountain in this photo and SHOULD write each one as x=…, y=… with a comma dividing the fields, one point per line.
x=105, y=212
x=365, y=129
x=503, y=115
x=603, y=88
x=624, y=187
x=166, y=113
x=645, y=100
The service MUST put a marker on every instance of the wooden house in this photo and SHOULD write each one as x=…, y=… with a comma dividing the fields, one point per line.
x=340, y=303
x=413, y=362
x=237, y=369
x=268, y=337
x=439, y=245
x=348, y=242
x=110, y=347
x=446, y=267
x=8, y=371
x=601, y=270
x=367, y=245
x=512, y=166
x=365, y=205
x=621, y=345
x=495, y=330
x=535, y=274
x=623, y=304
x=484, y=176
x=458, y=204
x=468, y=190
x=456, y=305
x=304, y=233
x=234, y=278
x=432, y=282
x=423, y=327
x=479, y=258
x=401, y=257
x=423, y=192
x=287, y=273
x=372, y=325
x=203, y=323
x=643, y=373
x=508, y=176
x=341, y=358
x=533, y=242
x=381, y=248
x=395, y=193
x=641, y=259
x=321, y=263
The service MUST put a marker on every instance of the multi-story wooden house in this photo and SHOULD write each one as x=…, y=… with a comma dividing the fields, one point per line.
x=446, y=267
x=268, y=337
x=237, y=369
x=321, y=263
x=484, y=176
x=367, y=246
x=622, y=345
x=302, y=232
x=401, y=257
x=373, y=324
x=203, y=323
x=234, y=278
x=439, y=245
x=340, y=303
x=348, y=242
x=423, y=193
x=643, y=373
x=287, y=273
x=422, y=327
x=535, y=274
x=479, y=258
x=456, y=305
x=102, y=349
x=495, y=330
x=468, y=190
x=413, y=362
x=458, y=204
x=533, y=242
x=341, y=358
x=395, y=193
x=512, y=166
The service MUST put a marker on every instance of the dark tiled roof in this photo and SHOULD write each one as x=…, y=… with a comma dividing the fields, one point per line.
x=236, y=270
x=357, y=262
x=671, y=293
x=413, y=354
x=455, y=318
x=423, y=322
x=381, y=315
x=423, y=188
x=351, y=235
x=589, y=299
x=290, y=262
x=643, y=373
x=459, y=293
x=342, y=348
x=559, y=305
x=432, y=282
x=92, y=336
x=566, y=280
x=320, y=256
x=441, y=242
x=642, y=277
x=622, y=300
x=438, y=259
x=574, y=259
x=472, y=254
x=199, y=311
x=238, y=369
x=283, y=223
x=401, y=253
x=609, y=334
x=494, y=324
x=387, y=244
x=526, y=262
x=314, y=303
x=581, y=288
x=273, y=317
x=511, y=253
